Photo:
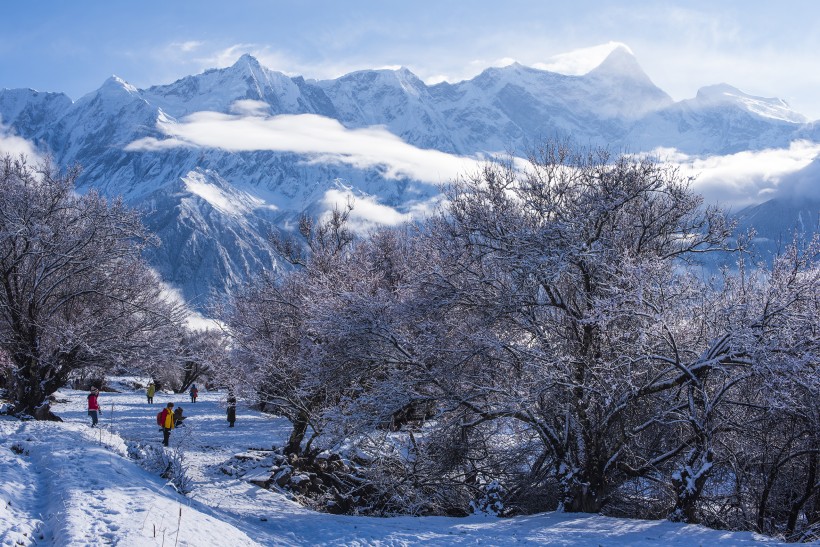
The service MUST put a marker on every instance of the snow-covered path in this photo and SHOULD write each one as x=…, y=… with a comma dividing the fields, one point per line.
x=68, y=484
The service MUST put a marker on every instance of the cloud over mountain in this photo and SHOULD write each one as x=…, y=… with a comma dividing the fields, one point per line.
x=752, y=176
x=322, y=139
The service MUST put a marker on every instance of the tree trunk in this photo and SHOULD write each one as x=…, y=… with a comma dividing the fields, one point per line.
x=688, y=484
x=764, y=498
x=583, y=498
x=28, y=393
x=297, y=435
x=583, y=492
x=797, y=506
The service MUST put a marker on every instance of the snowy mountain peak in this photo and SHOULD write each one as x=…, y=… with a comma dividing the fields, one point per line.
x=365, y=82
x=114, y=92
x=218, y=89
x=409, y=81
x=247, y=64
x=722, y=92
x=248, y=59
x=620, y=64
x=621, y=89
x=725, y=94
x=115, y=84
x=214, y=232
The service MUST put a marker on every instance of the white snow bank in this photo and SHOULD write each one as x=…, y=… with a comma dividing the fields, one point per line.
x=69, y=484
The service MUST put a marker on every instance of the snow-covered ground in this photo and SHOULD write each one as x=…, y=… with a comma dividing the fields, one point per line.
x=68, y=484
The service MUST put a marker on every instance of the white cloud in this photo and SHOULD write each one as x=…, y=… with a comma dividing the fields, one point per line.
x=250, y=107
x=435, y=79
x=322, y=139
x=802, y=184
x=14, y=145
x=580, y=61
x=748, y=177
x=187, y=47
x=505, y=61
x=735, y=180
x=367, y=212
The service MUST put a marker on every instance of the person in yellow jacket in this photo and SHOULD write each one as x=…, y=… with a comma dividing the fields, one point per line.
x=150, y=392
x=167, y=422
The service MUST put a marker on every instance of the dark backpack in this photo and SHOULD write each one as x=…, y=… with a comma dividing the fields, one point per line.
x=159, y=418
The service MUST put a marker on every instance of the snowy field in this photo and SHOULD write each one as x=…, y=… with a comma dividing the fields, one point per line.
x=68, y=484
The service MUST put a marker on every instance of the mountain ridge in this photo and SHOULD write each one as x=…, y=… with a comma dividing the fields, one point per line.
x=131, y=142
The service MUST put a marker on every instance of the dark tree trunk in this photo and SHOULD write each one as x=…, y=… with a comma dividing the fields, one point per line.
x=583, y=499
x=585, y=492
x=297, y=435
x=764, y=499
x=797, y=506
x=28, y=393
x=688, y=485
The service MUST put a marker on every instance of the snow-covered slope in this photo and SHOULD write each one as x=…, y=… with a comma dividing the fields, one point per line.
x=719, y=120
x=780, y=222
x=68, y=484
x=221, y=159
x=217, y=90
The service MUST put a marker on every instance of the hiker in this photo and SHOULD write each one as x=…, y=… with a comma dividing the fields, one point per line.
x=178, y=417
x=150, y=392
x=231, y=409
x=166, y=421
x=93, y=406
x=194, y=393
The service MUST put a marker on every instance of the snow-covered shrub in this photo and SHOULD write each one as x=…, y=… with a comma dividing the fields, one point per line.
x=175, y=470
x=491, y=499
x=168, y=463
x=369, y=478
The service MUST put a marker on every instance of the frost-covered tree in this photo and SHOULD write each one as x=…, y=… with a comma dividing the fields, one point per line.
x=546, y=342
x=576, y=266
x=281, y=358
x=75, y=290
x=272, y=350
x=193, y=357
x=772, y=438
x=344, y=347
x=327, y=341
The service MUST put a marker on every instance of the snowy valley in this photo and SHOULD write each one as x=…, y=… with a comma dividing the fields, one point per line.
x=68, y=484
x=477, y=312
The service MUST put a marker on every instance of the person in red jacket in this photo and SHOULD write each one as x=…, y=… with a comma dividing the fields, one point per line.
x=93, y=406
x=167, y=422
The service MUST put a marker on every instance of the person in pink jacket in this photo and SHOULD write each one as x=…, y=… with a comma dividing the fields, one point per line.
x=93, y=406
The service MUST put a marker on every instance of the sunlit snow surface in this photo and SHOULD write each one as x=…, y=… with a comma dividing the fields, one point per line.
x=68, y=484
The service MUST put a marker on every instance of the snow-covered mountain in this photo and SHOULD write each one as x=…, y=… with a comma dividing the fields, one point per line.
x=221, y=159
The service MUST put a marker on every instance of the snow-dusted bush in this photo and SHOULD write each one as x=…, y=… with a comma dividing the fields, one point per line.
x=167, y=463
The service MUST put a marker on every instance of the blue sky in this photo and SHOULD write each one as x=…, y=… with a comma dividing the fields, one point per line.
x=764, y=48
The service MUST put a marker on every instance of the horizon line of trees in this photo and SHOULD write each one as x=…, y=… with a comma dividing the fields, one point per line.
x=547, y=342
